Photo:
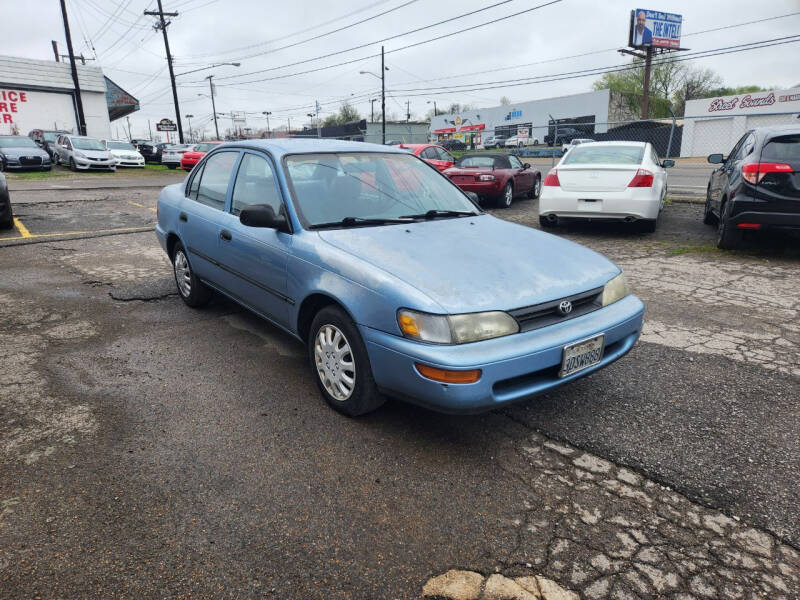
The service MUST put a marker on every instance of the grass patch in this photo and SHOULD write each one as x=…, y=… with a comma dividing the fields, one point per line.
x=703, y=249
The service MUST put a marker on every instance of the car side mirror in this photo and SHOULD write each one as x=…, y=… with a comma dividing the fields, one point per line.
x=715, y=159
x=263, y=215
x=667, y=163
x=526, y=166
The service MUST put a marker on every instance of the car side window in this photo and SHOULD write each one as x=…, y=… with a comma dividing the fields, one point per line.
x=515, y=162
x=215, y=178
x=443, y=155
x=735, y=151
x=195, y=184
x=747, y=147
x=255, y=184
x=429, y=153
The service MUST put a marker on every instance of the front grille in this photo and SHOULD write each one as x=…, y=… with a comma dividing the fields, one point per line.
x=30, y=161
x=546, y=313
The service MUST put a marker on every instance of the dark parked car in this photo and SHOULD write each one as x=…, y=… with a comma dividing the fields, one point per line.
x=151, y=151
x=453, y=145
x=21, y=152
x=6, y=215
x=499, y=177
x=563, y=135
x=757, y=186
x=46, y=139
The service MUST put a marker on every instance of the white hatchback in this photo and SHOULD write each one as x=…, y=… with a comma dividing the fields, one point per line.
x=622, y=181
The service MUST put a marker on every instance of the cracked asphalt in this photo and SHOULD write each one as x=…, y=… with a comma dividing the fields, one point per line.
x=150, y=450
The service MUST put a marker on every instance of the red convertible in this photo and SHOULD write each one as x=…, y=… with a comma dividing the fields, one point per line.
x=191, y=158
x=498, y=177
x=431, y=154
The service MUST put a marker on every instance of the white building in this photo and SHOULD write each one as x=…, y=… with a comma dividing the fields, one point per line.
x=39, y=94
x=715, y=124
x=534, y=118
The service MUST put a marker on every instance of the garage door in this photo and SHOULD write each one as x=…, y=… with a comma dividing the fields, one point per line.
x=769, y=120
x=712, y=135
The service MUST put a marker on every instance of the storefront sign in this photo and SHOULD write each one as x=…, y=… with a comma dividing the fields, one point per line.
x=10, y=101
x=445, y=130
x=166, y=125
x=479, y=127
x=747, y=102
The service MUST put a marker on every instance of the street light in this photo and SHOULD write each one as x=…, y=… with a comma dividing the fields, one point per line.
x=189, y=118
x=372, y=102
x=267, y=114
x=384, y=68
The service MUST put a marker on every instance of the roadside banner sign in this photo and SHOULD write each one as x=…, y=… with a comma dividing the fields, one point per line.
x=166, y=125
x=655, y=28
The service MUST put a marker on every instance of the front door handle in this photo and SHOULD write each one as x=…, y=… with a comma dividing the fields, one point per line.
x=225, y=235
x=183, y=217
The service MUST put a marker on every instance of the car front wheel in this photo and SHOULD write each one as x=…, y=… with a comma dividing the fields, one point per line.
x=536, y=189
x=340, y=364
x=708, y=215
x=192, y=291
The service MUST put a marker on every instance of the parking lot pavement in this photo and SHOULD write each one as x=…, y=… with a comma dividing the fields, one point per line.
x=148, y=449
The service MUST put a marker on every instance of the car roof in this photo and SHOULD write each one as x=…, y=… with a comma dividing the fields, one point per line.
x=412, y=146
x=489, y=154
x=619, y=143
x=285, y=146
x=779, y=129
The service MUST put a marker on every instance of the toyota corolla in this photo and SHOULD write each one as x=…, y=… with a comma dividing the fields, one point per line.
x=397, y=284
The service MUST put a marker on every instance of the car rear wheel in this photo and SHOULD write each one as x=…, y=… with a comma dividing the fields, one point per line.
x=508, y=196
x=547, y=223
x=708, y=215
x=192, y=291
x=728, y=237
x=72, y=165
x=536, y=189
x=340, y=364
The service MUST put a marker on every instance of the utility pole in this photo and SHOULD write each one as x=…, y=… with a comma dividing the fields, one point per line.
x=289, y=129
x=163, y=27
x=55, y=50
x=408, y=110
x=383, y=99
x=149, y=129
x=319, y=129
x=646, y=92
x=372, y=109
x=213, y=104
x=267, y=114
x=74, y=69
x=189, y=118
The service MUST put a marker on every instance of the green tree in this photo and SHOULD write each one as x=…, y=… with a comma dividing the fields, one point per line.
x=347, y=113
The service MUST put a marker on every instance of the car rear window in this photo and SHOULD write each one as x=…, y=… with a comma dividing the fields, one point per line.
x=784, y=148
x=486, y=162
x=595, y=154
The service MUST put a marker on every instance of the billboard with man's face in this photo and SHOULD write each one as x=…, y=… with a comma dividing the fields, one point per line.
x=655, y=28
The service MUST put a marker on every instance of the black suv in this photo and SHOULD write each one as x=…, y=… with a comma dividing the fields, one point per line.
x=150, y=150
x=757, y=186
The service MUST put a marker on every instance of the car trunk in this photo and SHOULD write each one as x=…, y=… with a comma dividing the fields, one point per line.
x=596, y=177
x=467, y=175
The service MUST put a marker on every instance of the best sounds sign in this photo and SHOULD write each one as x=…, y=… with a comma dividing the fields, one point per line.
x=10, y=101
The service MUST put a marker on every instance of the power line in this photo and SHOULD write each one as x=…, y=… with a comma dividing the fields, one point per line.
x=392, y=37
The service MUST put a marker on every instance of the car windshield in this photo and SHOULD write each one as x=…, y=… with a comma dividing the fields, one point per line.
x=476, y=161
x=82, y=143
x=120, y=146
x=329, y=188
x=204, y=147
x=17, y=142
x=595, y=154
x=50, y=136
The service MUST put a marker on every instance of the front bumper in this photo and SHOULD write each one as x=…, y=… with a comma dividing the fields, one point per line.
x=514, y=367
x=86, y=164
x=14, y=164
x=636, y=203
x=124, y=162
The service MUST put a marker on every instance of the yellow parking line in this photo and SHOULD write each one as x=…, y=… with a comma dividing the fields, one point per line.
x=65, y=233
x=141, y=205
x=23, y=231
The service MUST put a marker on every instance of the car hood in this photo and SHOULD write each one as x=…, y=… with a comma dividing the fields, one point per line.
x=94, y=153
x=477, y=263
x=120, y=153
x=23, y=151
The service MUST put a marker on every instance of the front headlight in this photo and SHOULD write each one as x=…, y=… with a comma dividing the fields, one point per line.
x=455, y=329
x=79, y=154
x=614, y=290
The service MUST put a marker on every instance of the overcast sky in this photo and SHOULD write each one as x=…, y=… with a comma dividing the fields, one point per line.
x=529, y=45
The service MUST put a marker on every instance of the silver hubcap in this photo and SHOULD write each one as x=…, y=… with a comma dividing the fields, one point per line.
x=509, y=195
x=335, y=364
x=537, y=187
x=183, y=274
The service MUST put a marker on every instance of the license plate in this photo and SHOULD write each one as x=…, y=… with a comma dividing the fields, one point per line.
x=582, y=355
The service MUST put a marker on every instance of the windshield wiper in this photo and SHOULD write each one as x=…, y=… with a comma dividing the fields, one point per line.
x=432, y=214
x=359, y=221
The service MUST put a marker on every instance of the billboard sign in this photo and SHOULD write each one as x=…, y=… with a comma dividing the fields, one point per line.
x=166, y=125
x=655, y=28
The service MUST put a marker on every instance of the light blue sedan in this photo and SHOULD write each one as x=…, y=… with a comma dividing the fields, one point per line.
x=397, y=283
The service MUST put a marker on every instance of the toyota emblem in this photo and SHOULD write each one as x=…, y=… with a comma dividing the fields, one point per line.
x=565, y=307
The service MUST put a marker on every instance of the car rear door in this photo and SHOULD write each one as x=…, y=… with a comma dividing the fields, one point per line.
x=201, y=213
x=255, y=258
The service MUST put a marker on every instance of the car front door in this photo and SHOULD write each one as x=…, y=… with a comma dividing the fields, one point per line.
x=720, y=177
x=446, y=160
x=523, y=178
x=255, y=258
x=201, y=214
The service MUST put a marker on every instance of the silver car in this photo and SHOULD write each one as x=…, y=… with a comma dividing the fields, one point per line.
x=83, y=153
x=171, y=155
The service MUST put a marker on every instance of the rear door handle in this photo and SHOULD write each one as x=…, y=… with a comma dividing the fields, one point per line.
x=183, y=217
x=225, y=235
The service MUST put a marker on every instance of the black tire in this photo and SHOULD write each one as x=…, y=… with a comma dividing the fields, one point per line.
x=546, y=223
x=708, y=215
x=364, y=396
x=536, y=190
x=172, y=166
x=647, y=225
x=194, y=293
x=507, y=197
x=72, y=166
x=728, y=238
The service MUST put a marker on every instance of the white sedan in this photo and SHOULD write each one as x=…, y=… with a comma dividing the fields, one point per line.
x=125, y=154
x=171, y=155
x=518, y=141
x=623, y=181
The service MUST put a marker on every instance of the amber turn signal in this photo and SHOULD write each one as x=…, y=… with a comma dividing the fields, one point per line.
x=445, y=376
